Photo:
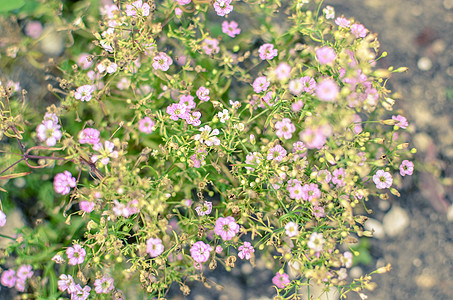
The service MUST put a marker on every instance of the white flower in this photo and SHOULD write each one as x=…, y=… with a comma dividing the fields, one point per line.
x=207, y=136
x=316, y=241
x=223, y=115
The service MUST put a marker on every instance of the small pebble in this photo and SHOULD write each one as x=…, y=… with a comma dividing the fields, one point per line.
x=424, y=64
x=395, y=221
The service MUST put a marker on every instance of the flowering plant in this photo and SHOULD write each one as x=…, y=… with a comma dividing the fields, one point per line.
x=183, y=139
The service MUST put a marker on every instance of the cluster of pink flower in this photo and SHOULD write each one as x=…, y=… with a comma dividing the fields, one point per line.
x=10, y=278
x=183, y=109
x=49, y=130
x=103, y=285
x=137, y=6
x=125, y=210
x=63, y=182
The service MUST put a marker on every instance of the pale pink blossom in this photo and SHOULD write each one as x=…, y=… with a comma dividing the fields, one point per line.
x=49, y=132
x=146, y=125
x=359, y=30
x=327, y=90
x=382, y=179
x=230, y=28
x=83, y=93
x=137, y=6
x=2, y=219
x=200, y=252
x=406, y=168
x=104, y=285
x=223, y=7
x=80, y=293
x=76, y=255
x=162, y=61
x=154, y=247
x=211, y=46
x=402, y=121
x=283, y=71
x=246, y=250
x=8, y=278
x=89, y=136
x=33, y=29
x=338, y=177
x=184, y=2
x=204, y=209
x=325, y=55
x=86, y=206
x=260, y=84
x=105, y=153
x=226, y=227
x=84, y=62
x=329, y=12
x=342, y=22
x=285, y=128
x=267, y=51
x=316, y=242
x=276, y=153
x=281, y=280
x=203, y=94
x=66, y=283
x=291, y=229
x=208, y=136
x=63, y=182
x=24, y=272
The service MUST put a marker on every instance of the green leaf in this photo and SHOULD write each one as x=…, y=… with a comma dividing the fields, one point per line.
x=8, y=5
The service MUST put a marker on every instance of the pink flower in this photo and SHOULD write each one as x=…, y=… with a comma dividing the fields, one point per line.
x=194, y=118
x=86, y=206
x=137, y=6
x=283, y=71
x=33, y=29
x=76, y=255
x=200, y=252
x=359, y=30
x=267, y=51
x=79, y=293
x=24, y=272
x=223, y=7
x=281, y=280
x=310, y=192
x=324, y=176
x=299, y=149
x=227, y=228
x=308, y=83
x=162, y=61
x=83, y=61
x=2, y=219
x=177, y=111
x=327, y=90
x=20, y=285
x=246, y=250
x=154, y=247
x=107, y=65
x=325, y=55
x=204, y=209
x=295, y=191
x=178, y=11
x=231, y=28
x=406, y=168
x=318, y=211
x=402, y=121
x=329, y=12
x=342, y=22
x=346, y=259
x=297, y=106
x=66, y=282
x=104, y=285
x=338, y=177
x=276, y=153
x=106, y=152
x=211, y=46
x=89, y=136
x=8, y=278
x=382, y=179
x=254, y=158
x=316, y=242
x=260, y=84
x=285, y=128
x=49, y=132
x=146, y=125
x=184, y=2
x=291, y=229
x=203, y=94
x=63, y=182
x=84, y=92
x=187, y=101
